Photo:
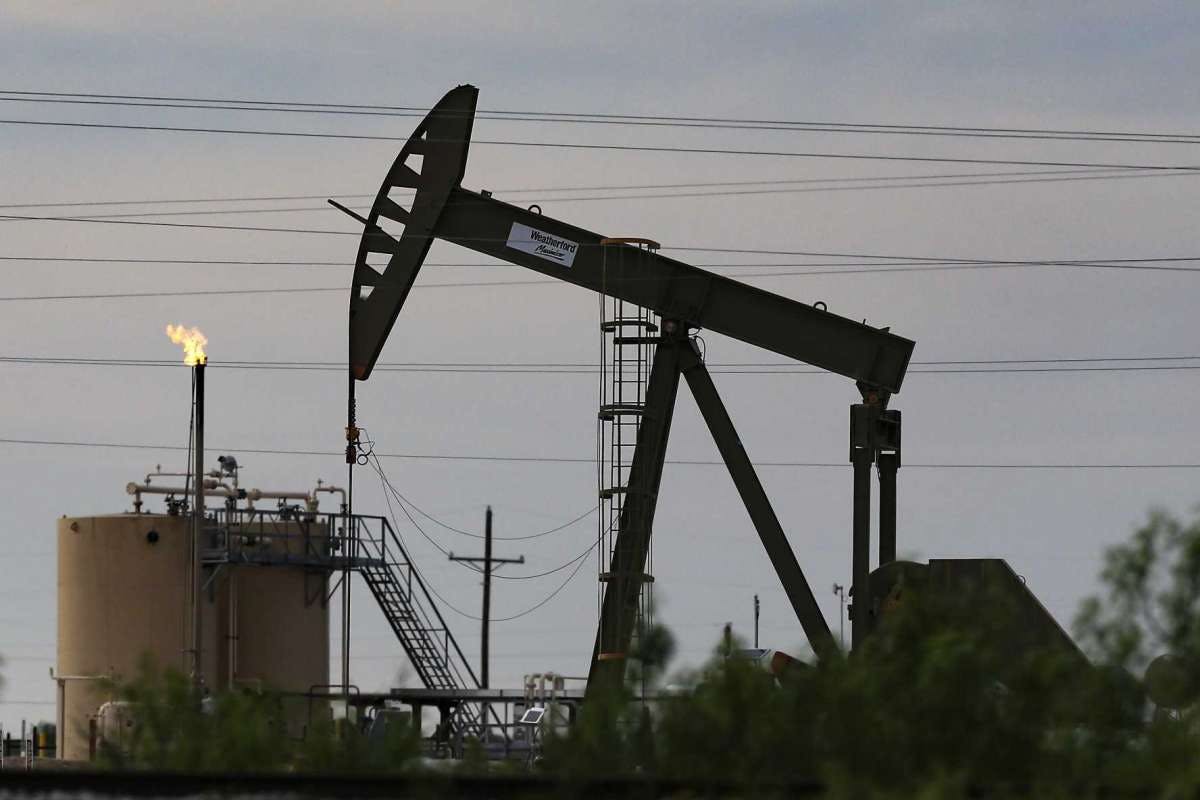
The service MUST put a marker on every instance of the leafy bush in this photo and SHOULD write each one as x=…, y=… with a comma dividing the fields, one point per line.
x=937, y=700
x=178, y=729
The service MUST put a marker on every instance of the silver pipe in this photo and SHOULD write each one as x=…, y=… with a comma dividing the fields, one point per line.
x=310, y=500
x=233, y=628
x=161, y=474
x=258, y=494
x=137, y=490
x=323, y=487
x=213, y=489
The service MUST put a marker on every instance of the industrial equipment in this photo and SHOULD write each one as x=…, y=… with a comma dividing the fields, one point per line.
x=124, y=595
x=266, y=556
x=398, y=232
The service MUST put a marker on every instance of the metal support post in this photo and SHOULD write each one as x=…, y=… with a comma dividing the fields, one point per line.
x=861, y=568
x=484, y=659
x=874, y=437
x=349, y=531
x=348, y=535
x=755, y=622
x=887, y=448
x=889, y=464
x=766, y=523
x=619, y=608
x=198, y=529
x=863, y=419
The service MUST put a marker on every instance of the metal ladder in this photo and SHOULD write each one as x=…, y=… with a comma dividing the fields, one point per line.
x=628, y=335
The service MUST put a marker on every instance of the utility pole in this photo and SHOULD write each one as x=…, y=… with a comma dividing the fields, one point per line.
x=840, y=591
x=488, y=560
x=755, y=622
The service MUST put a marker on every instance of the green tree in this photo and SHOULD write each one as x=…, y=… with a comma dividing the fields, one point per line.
x=1152, y=600
x=177, y=728
x=938, y=699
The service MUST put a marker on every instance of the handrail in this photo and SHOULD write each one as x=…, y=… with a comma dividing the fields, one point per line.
x=462, y=659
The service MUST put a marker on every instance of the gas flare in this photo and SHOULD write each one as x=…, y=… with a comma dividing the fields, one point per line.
x=193, y=342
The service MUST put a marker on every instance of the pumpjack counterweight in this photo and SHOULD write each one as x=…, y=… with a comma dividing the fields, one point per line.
x=420, y=202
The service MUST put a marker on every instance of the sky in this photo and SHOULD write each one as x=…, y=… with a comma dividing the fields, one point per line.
x=976, y=446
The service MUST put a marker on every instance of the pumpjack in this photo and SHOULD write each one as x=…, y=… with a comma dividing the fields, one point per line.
x=422, y=199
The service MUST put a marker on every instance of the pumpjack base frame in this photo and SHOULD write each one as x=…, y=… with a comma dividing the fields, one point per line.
x=677, y=356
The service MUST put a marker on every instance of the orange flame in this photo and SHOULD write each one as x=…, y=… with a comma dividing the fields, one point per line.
x=193, y=342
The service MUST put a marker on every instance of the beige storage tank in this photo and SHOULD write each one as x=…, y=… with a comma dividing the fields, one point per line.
x=277, y=636
x=123, y=589
x=122, y=593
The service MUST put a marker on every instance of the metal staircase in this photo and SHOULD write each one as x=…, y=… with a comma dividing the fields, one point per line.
x=410, y=610
x=324, y=543
x=413, y=616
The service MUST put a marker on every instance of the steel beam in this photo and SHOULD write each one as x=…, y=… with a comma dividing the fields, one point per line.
x=676, y=290
x=618, y=611
x=755, y=499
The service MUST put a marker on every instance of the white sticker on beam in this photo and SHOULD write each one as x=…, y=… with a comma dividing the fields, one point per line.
x=542, y=244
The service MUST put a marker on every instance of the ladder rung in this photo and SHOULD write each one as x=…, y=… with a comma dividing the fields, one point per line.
x=640, y=577
x=611, y=410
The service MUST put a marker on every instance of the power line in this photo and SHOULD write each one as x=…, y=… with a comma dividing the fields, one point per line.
x=611, y=147
x=1089, y=173
x=605, y=187
x=656, y=196
x=401, y=498
x=87, y=98
x=983, y=265
x=345, y=263
x=929, y=259
x=921, y=260
x=404, y=503
x=107, y=361
x=981, y=367
x=387, y=484
x=592, y=461
x=178, y=225
x=842, y=268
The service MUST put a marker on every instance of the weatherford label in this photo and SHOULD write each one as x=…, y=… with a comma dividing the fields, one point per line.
x=541, y=244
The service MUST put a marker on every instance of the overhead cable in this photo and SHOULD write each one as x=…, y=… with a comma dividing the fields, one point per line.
x=601, y=187
x=152, y=101
x=592, y=461
x=611, y=147
x=656, y=196
x=440, y=596
x=944, y=368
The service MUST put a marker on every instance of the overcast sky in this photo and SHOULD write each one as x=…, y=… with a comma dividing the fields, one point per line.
x=1064, y=66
